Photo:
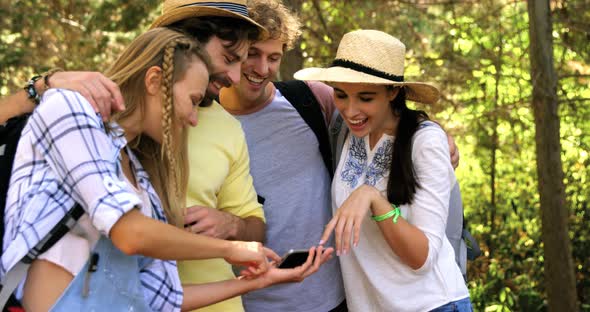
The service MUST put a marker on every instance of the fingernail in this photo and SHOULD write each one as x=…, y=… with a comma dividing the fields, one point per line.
x=321, y=241
x=338, y=253
x=356, y=244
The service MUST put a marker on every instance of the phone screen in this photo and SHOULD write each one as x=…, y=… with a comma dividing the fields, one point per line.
x=293, y=258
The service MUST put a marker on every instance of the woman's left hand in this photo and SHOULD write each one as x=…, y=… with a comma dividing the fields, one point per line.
x=348, y=218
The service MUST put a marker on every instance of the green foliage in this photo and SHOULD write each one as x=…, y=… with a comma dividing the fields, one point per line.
x=70, y=34
x=477, y=53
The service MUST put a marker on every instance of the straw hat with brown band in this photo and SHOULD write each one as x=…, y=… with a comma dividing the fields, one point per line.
x=176, y=10
x=374, y=57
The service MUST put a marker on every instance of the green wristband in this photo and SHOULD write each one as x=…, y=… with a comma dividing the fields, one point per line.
x=395, y=212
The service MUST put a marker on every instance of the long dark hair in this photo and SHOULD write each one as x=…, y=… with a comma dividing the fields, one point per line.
x=403, y=183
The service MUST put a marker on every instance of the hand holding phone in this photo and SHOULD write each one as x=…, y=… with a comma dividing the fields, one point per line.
x=293, y=258
x=292, y=267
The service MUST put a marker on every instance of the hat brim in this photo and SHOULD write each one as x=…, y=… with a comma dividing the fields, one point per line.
x=415, y=91
x=179, y=14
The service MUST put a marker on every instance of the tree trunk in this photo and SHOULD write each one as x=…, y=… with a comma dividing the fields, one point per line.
x=292, y=62
x=293, y=59
x=559, y=269
x=495, y=138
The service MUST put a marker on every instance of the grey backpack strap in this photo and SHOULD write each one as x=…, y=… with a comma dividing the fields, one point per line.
x=11, y=281
x=17, y=273
x=338, y=132
x=473, y=250
x=454, y=229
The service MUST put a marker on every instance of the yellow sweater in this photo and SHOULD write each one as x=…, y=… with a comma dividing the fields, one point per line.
x=219, y=178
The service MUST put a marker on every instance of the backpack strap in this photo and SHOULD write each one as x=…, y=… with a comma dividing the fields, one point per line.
x=302, y=98
x=338, y=133
x=15, y=275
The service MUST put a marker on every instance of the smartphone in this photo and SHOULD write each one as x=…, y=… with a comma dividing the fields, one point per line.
x=293, y=258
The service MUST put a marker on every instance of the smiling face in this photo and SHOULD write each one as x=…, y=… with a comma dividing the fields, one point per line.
x=365, y=108
x=226, y=61
x=189, y=91
x=259, y=69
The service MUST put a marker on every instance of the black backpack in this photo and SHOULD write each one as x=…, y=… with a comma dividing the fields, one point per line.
x=302, y=98
x=10, y=134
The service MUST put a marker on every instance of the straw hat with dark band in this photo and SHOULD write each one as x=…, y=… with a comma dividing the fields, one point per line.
x=176, y=10
x=374, y=57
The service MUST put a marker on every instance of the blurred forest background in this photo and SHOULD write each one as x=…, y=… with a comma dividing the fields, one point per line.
x=478, y=54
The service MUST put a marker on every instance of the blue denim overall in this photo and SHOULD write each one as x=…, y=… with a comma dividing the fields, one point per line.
x=114, y=286
x=462, y=305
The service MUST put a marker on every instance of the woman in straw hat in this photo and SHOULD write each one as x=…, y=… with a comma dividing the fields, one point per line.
x=392, y=184
x=124, y=174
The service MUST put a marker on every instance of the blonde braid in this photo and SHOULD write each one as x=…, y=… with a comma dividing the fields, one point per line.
x=165, y=161
x=169, y=148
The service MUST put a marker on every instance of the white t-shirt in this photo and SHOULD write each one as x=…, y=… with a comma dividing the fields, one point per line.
x=375, y=279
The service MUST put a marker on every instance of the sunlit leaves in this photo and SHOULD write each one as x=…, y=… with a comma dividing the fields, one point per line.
x=72, y=34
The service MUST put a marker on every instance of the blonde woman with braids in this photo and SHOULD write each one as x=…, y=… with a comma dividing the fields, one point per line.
x=124, y=174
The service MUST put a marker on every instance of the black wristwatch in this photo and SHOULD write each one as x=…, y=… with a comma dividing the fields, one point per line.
x=30, y=89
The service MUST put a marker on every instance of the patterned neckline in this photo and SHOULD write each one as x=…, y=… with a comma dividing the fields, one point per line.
x=364, y=164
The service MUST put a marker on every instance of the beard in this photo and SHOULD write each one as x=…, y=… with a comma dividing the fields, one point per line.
x=208, y=99
x=210, y=95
